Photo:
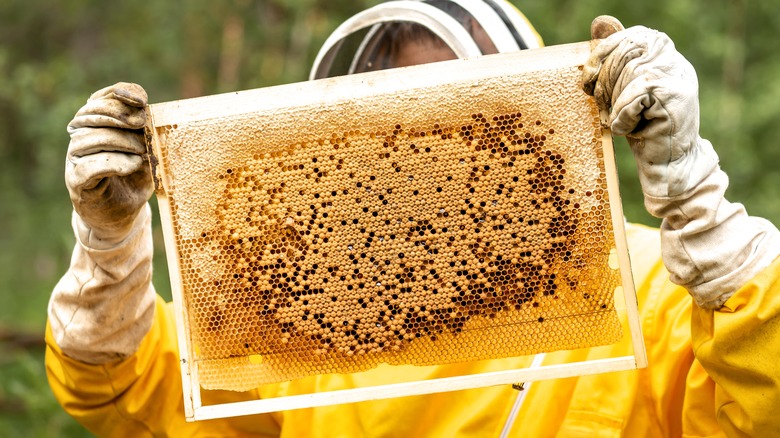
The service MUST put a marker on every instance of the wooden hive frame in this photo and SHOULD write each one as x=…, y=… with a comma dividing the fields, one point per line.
x=330, y=93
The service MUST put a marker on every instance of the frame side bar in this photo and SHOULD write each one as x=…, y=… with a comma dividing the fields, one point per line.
x=189, y=379
x=624, y=262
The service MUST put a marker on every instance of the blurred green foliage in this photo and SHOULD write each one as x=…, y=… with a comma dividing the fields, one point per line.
x=54, y=54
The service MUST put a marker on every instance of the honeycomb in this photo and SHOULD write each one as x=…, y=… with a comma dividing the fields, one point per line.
x=434, y=225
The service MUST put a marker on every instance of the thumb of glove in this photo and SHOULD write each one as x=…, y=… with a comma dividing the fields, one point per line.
x=600, y=28
x=603, y=26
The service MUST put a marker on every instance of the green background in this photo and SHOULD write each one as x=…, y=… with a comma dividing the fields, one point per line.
x=53, y=55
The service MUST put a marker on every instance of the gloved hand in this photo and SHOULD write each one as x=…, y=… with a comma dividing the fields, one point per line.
x=105, y=173
x=653, y=92
x=103, y=306
x=709, y=245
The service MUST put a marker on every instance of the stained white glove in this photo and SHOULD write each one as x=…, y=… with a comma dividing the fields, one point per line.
x=103, y=306
x=105, y=172
x=709, y=245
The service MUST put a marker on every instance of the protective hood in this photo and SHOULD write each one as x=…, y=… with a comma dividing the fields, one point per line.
x=370, y=40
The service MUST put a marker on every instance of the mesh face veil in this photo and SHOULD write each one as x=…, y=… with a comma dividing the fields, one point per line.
x=374, y=38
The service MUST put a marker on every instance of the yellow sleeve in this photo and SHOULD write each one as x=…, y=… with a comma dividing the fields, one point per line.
x=739, y=346
x=142, y=395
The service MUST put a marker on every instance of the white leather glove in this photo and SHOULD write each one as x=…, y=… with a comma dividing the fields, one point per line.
x=105, y=173
x=103, y=306
x=709, y=245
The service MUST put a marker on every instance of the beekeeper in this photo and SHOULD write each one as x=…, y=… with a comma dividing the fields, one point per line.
x=706, y=281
